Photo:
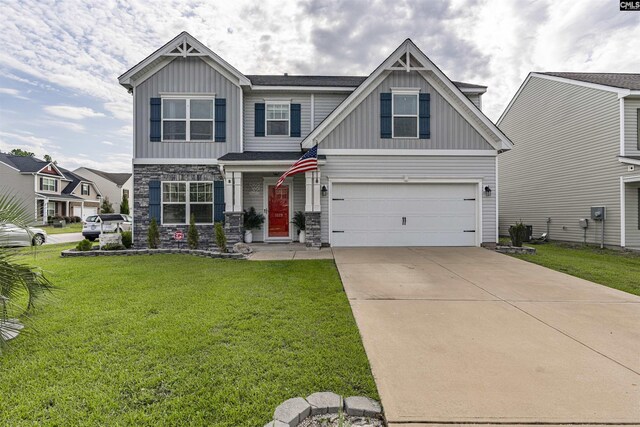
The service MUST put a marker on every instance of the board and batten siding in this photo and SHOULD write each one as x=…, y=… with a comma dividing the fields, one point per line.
x=632, y=222
x=414, y=167
x=361, y=128
x=564, y=160
x=631, y=107
x=189, y=75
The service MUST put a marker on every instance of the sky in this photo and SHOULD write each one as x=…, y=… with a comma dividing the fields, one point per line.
x=59, y=60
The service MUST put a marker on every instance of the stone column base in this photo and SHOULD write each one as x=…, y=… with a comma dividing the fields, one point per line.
x=233, y=226
x=312, y=228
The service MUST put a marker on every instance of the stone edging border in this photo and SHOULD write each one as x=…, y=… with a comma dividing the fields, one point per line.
x=129, y=252
x=293, y=411
x=504, y=249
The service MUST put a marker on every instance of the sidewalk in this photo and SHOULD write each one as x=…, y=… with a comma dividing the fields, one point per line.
x=287, y=251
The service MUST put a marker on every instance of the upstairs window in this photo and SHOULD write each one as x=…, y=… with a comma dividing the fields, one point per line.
x=187, y=119
x=47, y=184
x=405, y=114
x=84, y=190
x=277, y=118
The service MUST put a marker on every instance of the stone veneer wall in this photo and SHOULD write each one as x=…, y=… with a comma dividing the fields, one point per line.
x=142, y=174
x=234, y=227
x=312, y=226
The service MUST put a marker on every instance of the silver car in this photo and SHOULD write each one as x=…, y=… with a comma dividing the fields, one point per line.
x=12, y=235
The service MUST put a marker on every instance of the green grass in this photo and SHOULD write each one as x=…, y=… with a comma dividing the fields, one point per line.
x=179, y=340
x=76, y=227
x=613, y=268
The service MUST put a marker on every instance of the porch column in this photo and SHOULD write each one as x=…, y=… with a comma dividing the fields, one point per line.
x=312, y=209
x=45, y=207
x=68, y=213
x=233, y=215
x=82, y=210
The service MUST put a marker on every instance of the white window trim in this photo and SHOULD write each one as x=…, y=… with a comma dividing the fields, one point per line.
x=187, y=202
x=266, y=120
x=416, y=93
x=188, y=118
x=53, y=180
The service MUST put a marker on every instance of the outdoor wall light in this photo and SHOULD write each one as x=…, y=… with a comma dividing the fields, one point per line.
x=487, y=191
x=324, y=191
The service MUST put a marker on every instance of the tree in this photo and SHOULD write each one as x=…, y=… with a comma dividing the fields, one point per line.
x=124, y=206
x=192, y=234
x=221, y=238
x=49, y=159
x=21, y=152
x=18, y=281
x=106, y=206
x=153, y=235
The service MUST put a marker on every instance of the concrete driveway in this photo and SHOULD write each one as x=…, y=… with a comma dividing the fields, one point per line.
x=466, y=335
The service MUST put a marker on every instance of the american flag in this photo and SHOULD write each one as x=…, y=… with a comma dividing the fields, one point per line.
x=308, y=162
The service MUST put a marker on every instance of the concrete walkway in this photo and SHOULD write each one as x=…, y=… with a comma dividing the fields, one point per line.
x=287, y=251
x=466, y=335
x=53, y=239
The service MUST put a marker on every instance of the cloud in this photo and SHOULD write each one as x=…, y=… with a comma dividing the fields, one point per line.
x=107, y=143
x=74, y=127
x=73, y=113
x=26, y=141
x=11, y=92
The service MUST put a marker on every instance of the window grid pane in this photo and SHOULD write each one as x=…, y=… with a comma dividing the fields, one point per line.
x=405, y=127
x=174, y=214
x=174, y=192
x=201, y=130
x=405, y=105
x=201, y=192
x=174, y=109
x=203, y=213
x=277, y=111
x=201, y=109
x=277, y=127
x=174, y=130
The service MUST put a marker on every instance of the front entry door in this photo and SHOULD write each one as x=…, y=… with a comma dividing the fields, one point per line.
x=278, y=211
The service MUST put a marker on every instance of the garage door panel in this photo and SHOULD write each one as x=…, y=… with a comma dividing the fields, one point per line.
x=434, y=214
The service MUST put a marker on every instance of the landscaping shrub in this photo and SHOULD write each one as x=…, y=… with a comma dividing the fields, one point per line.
x=106, y=206
x=153, y=235
x=518, y=233
x=67, y=219
x=124, y=206
x=221, y=238
x=84, y=245
x=252, y=220
x=192, y=233
x=299, y=221
x=112, y=247
x=127, y=239
x=77, y=219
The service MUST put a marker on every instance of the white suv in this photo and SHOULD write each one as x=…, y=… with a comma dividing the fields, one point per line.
x=108, y=223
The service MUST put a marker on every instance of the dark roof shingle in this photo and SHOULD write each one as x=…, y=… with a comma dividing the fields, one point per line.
x=115, y=177
x=620, y=80
x=23, y=163
x=264, y=155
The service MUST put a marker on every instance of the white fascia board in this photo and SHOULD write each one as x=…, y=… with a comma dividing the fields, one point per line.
x=406, y=152
x=617, y=90
x=629, y=161
x=304, y=88
x=622, y=142
x=229, y=163
x=633, y=178
x=174, y=161
x=513, y=99
x=472, y=90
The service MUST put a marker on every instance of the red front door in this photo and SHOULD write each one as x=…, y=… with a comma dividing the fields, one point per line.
x=278, y=211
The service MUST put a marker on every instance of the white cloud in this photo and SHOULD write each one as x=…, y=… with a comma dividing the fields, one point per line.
x=73, y=113
x=106, y=143
x=74, y=127
x=38, y=145
x=12, y=92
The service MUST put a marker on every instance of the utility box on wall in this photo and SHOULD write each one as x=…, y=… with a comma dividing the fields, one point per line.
x=583, y=222
x=598, y=213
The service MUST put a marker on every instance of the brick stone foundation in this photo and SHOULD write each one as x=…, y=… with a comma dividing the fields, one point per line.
x=312, y=225
x=142, y=174
x=234, y=227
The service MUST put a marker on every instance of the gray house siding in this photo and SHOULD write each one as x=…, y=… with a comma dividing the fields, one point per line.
x=475, y=99
x=567, y=139
x=361, y=128
x=415, y=167
x=324, y=104
x=632, y=229
x=631, y=107
x=20, y=185
x=275, y=143
x=186, y=76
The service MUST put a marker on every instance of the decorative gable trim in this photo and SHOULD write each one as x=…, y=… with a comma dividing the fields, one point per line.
x=408, y=57
x=184, y=45
x=53, y=167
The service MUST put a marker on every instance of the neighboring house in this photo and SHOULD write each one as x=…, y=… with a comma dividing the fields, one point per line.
x=405, y=154
x=47, y=188
x=577, y=146
x=114, y=186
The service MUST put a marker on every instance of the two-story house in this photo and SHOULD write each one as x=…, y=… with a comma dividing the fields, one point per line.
x=47, y=188
x=577, y=146
x=406, y=157
x=114, y=186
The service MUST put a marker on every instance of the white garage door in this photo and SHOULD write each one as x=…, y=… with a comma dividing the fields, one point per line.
x=87, y=211
x=376, y=214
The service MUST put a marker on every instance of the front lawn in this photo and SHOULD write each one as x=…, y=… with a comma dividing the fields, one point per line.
x=179, y=340
x=76, y=227
x=613, y=268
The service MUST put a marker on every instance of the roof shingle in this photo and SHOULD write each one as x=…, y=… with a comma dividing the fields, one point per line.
x=620, y=80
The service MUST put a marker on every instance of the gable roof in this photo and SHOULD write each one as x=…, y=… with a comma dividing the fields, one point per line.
x=409, y=57
x=27, y=164
x=115, y=177
x=183, y=45
x=620, y=80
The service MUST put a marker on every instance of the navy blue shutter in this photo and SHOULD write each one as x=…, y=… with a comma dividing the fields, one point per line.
x=55, y=185
x=385, y=115
x=41, y=184
x=218, y=201
x=154, y=200
x=155, y=119
x=425, y=116
x=259, y=117
x=295, y=120
x=221, y=120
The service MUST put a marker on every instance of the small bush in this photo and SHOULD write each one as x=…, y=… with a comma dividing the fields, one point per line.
x=113, y=247
x=58, y=218
x=192, y=234
x=67, y=219
x=518, y=233
x=106, y=206
x=127, y=239
x=221, y=238
x=124, y=206
x=84, y=245
x=153, y=235
x=77, y=219
x=252, y=220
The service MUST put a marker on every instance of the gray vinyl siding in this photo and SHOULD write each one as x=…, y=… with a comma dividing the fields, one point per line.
x=381, y=167
x=632, y=229
x=21, y=185
x=475, y=98
x=186, y=76
x=253, y=196
x=275, y=143
x=567, y=139
x=361, y=128
x=93, y=196
x=631, y=107
x=324, y=104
